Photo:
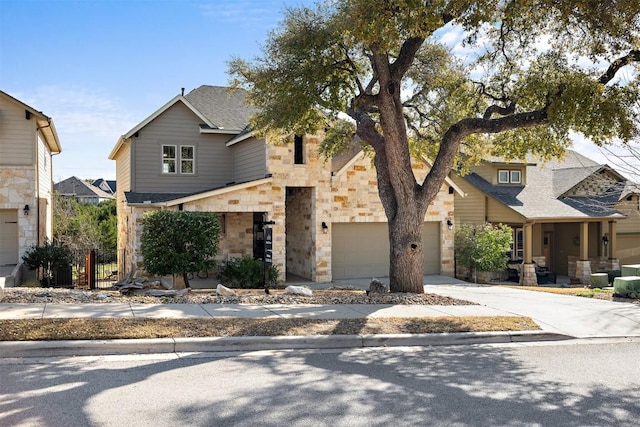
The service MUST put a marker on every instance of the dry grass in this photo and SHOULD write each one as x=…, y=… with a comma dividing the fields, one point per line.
x=579, y=292
x=83, y=329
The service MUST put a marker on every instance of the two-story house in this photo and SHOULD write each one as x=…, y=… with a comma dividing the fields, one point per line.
x=571, y=215
x=196, y=153
x=28, y=140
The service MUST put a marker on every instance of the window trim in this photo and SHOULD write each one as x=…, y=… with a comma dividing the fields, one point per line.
x=510, y=176
x=165, y=159
x=192, y=160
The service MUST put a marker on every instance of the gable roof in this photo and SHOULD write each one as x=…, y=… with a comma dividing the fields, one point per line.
x=45, y=123
x=221, y=109
x=225, y=108
x=75, y=187
x=544, y=195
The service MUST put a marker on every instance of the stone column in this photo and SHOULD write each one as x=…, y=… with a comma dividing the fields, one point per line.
x=528, y=275
x=583, y=265
x=528, y=271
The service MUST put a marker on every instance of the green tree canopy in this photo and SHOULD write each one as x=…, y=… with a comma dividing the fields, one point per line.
x=179, y=242
x=441, y=77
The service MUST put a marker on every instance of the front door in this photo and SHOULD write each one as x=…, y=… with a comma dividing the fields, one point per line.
x=8, y=236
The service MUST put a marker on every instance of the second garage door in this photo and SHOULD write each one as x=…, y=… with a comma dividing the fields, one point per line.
x=362, y=249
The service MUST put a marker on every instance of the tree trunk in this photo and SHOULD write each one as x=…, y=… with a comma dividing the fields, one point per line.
x=406, y=258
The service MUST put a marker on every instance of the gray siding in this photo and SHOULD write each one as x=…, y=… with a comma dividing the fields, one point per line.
x=179, y=126
x=17, y=135
x=249, y=160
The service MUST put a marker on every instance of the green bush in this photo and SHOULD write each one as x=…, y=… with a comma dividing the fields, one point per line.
x=628, y=287
x=247, y=272
x=48, y=259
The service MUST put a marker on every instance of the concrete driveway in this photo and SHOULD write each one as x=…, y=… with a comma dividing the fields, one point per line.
x=579, y=317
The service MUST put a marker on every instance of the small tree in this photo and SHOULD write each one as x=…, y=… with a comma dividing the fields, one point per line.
x=47, y=259
x=178, y=242
x=483, y=247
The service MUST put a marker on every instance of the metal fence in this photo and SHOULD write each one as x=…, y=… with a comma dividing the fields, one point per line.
x=94, y=268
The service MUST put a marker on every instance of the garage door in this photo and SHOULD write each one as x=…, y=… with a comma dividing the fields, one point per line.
x=362, y=249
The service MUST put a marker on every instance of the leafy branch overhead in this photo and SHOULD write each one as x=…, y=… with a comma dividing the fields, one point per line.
x=439, y=77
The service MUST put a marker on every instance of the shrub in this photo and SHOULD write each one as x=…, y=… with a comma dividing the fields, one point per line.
x=247, y=272
x=628, y=287
x=47, y=259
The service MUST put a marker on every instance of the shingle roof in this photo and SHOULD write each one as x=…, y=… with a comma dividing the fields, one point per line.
x=542, y=196
x=74, y=186
x=224, y=107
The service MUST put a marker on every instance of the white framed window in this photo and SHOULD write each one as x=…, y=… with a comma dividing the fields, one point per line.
x=518, y=243
x=509, y=176
x=169, y=158
x=187, y=159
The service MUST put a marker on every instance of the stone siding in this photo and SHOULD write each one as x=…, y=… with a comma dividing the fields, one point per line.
x=16, y=191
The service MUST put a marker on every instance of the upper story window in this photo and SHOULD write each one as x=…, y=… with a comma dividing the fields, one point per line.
x=168, y=159
x=186, y=158
x=298, y=150
x=506, y=176
x=178, y=158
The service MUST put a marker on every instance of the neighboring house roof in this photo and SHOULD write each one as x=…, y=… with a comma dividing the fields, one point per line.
x=221, y=109
x=544, y=195
x=45, y=123
x=107, y=185
x=75, y=187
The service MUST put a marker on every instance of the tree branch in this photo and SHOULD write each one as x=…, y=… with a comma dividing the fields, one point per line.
x=633, y=56
x=405, y=58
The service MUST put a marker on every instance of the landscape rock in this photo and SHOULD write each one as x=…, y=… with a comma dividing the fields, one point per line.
x=298, y=290
x=377, y=287
x=224, y=291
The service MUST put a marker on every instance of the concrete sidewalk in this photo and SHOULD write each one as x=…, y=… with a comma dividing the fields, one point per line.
x=559, y=316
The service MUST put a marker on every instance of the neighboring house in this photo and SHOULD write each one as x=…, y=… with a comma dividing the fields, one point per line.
x=108, y=186
x=572, y=215
x=82, y=191
x=195, y=154
x=28, y=140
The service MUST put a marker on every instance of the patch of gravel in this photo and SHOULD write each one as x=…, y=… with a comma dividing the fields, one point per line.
x=245, y=296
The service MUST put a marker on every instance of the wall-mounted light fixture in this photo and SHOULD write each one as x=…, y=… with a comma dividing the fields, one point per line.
x=325, y=227
x=605, y=241
x=26, y=210
x=450, y=224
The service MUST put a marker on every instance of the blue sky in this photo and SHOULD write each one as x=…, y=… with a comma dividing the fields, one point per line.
x=99, y=67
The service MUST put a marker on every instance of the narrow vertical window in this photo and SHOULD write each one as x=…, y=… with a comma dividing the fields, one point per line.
x=168, y=159
x=503, y=177
x=186, y=159
x=298, y=147
x=518, y=241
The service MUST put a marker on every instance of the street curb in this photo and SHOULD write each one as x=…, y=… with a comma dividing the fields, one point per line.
x=15, y=349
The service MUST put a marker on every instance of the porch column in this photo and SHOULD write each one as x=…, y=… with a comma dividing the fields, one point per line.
x=583, y=265
x=613, y=263
x=528, y=276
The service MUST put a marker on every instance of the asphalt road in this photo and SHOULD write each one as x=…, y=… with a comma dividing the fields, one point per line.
x=569, y=383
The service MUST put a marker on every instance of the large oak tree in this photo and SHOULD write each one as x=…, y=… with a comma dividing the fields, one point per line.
x=438, y=78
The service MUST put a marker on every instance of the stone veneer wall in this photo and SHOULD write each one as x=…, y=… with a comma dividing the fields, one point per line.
x=351, y=196
x=17, y=190
x=354, y=197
